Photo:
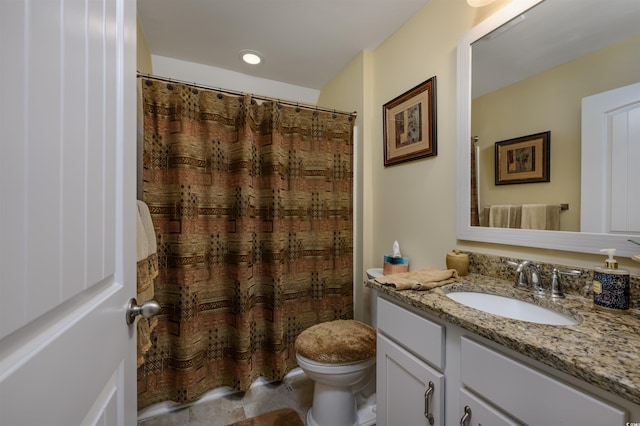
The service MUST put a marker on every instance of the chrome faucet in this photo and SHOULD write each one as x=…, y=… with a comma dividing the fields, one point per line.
x=535, y=280
x=531, y=281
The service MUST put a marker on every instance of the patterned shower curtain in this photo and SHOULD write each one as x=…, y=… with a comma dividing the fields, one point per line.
x=475, y=216
x=252, y=206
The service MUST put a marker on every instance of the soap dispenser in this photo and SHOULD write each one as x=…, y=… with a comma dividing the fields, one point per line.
x=611, y=285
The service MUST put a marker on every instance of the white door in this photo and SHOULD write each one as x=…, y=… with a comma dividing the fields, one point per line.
x=67, y=212
x=610, y=155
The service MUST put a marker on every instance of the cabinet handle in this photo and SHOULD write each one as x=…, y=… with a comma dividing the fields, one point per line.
x=466, y=417
x=427, y=402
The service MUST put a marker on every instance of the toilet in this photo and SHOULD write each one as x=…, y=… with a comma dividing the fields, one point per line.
x=340, y=357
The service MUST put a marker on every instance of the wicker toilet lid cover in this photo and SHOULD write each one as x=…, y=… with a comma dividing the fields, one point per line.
x=337, y=342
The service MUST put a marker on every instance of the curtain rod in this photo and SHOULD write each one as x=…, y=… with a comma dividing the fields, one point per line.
x=353, y=114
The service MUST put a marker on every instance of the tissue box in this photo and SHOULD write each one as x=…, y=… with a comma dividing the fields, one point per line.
x=395, y=265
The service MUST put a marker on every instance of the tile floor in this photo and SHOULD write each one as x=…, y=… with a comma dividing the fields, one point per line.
x=295, y=391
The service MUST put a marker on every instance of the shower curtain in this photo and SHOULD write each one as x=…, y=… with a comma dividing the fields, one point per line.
x=252, y=206
x=475, y=208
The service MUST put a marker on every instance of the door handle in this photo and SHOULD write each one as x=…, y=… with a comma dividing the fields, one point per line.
x=466, y=418
x=428, y=394
x=147, y=310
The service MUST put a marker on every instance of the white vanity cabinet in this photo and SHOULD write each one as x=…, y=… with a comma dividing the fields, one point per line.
x=527, y=394
x=409, y=390
x=495, y=385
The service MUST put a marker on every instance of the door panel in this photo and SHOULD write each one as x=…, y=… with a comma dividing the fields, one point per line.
x=610, y=154
x=67, y=215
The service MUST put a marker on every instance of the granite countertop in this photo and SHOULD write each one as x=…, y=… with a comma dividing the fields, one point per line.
x=603, y=349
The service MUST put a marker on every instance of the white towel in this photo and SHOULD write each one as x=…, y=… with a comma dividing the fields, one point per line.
x=499, y=216
x=147, y=225
x=553, y=217
x=484, y=217
x=142, y=243
x=504, y=216
x=147, y=270
x=534, y=216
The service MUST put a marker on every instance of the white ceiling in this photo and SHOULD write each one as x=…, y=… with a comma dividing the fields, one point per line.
x=307, y=42
x=552, y=33
x=304, y=42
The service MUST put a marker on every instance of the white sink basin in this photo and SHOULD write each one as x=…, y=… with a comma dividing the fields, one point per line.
x=511, y=308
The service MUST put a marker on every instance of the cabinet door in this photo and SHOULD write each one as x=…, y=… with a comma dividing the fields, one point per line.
x=530, y=395
x=480, y=413
x=403, y=388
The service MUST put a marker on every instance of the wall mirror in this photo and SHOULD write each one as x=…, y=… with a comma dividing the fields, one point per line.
x=511, y=56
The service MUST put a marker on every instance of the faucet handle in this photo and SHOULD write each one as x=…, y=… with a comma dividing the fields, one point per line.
x=521, y=280
x=536, y=280
x=556, y=287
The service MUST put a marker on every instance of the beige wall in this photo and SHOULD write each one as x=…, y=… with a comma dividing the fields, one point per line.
x=415, y=202
x=547, y=102
x=143, y=54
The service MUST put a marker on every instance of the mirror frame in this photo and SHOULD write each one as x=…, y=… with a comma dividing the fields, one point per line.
x=581, y=242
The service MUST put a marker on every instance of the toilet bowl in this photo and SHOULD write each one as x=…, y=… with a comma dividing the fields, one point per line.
x=339, y=356
x=335, y=391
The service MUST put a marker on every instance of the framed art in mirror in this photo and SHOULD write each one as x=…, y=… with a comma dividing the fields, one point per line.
x=523, y=160
x=410, y=124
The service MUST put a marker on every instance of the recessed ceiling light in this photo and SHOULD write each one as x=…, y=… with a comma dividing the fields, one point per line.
x=251, y=57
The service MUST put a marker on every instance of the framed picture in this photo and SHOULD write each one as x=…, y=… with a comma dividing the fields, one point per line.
x=523, y=160
x=410, y=124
